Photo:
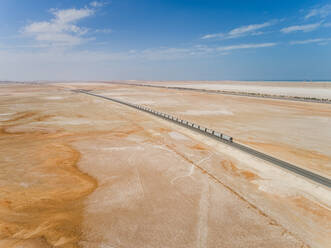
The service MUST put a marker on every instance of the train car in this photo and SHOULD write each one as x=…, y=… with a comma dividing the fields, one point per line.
x=209, y=131
x=217, y=134
x=227, y=138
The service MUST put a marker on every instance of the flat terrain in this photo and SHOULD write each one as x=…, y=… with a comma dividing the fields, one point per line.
x=298, y=89
x=78, y=171
x=297, y=132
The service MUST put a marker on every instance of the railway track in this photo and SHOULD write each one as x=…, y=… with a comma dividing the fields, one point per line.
x=224, y=139
x=233, y=93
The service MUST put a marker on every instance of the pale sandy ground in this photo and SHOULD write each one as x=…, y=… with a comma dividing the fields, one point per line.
x=301, y=89
x=78, y=171
x=297, y=132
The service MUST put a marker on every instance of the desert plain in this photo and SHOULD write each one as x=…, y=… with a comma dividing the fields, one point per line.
x=80, y=171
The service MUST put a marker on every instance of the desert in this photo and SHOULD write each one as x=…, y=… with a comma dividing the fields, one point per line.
x=278, y=88
x=165, y=124
x=80, y=171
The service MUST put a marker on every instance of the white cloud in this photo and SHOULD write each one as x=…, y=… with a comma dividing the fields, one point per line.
x=322, y=12
x=166, y=53
x=62, y=29
x=303, y=28
x=247, y=29
x=152, y=54
x=96, y=4
x=104, y=30
x=246, y=46
x=91, y=65
x=241, y=31
x=210, y=36
x=72, y=15
x=318, y=40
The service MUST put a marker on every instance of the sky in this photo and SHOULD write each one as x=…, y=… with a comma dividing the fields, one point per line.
x=165, y=40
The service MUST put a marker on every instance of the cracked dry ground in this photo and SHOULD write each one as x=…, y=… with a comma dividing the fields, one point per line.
x=78, y=171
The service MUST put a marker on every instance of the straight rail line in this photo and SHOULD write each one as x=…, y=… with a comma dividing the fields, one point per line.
x=224, y=139
x=232, y=93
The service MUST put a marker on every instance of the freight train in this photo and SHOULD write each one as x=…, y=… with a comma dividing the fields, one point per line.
x=208, y=131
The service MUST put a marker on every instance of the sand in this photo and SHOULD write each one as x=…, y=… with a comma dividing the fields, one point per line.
x=297, y=132
x=299, y=89
x=78, y=171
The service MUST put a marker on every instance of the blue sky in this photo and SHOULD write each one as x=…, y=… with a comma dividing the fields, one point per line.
x=165, y=40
